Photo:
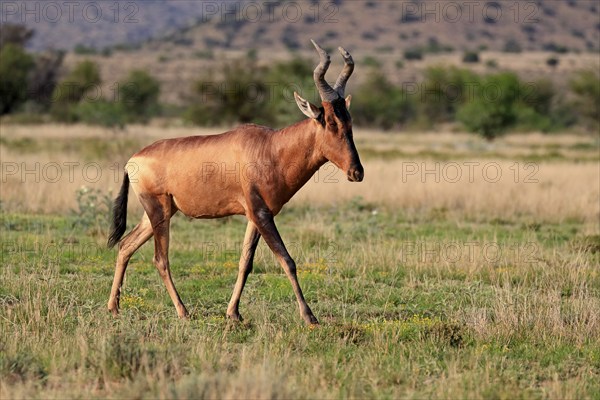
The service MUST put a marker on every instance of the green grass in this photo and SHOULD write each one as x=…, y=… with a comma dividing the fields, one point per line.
x=410, y=305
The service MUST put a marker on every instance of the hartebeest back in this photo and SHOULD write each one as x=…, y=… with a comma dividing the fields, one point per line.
x=252, y=170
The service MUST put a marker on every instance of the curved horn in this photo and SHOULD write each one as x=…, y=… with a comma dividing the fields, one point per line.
x=340, y=84
x=325, y=91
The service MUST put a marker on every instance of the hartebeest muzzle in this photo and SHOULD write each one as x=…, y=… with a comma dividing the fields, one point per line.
x=356, y=174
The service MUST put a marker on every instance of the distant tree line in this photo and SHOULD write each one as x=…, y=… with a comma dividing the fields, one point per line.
x=29, y=85
x=244, y=91
x=488, y=104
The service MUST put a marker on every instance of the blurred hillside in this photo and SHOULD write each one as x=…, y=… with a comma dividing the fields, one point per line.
x=519, y=36
x=287, y=25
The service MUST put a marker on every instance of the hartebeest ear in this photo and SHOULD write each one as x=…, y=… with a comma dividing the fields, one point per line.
x=348, y=101
x=306, y=107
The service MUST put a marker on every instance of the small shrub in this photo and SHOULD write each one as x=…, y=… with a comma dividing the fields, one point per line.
x=290, y=38
x=587, y=244
x=204, y=54
x=586, y=87
x=93, y=209
x=22, y=367
x=84, y=77
x=413, y=54
x=434, y=47
x=252, y=54
x=443, y=91
x=82, y=49
x=123, y=356
x=552, y=62
x=491, y=63
x=370, y=36
x=15, y=34
x=578, y=33
x=370, y=61
x=240, y=95
x=512, y=46
x=15, y=65
x=138, y=96
x=381, y=104
x=471, y=57
x=556, y=48
x=44, y=76
x=527, y=119
x=101, y=112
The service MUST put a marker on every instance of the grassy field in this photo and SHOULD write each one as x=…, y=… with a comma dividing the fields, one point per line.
x=426, y=284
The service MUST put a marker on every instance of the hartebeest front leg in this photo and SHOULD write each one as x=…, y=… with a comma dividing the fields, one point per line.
x=250, y=242
x=265, y=224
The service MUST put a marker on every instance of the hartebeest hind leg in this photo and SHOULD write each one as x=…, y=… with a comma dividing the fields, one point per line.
x=129, y=245
x=250, y=242
x=266, y=226
x=160, y=209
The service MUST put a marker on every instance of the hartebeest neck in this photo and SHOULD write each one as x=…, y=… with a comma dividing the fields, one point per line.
x=298, y=152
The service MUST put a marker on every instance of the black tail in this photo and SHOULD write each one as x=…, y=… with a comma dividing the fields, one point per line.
x=119, y=220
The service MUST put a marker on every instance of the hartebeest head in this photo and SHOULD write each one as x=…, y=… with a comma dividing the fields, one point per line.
x=335, y=124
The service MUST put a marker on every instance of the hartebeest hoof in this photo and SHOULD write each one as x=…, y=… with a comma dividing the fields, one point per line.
x=235, y=317
x=310, y=319
x=183, y=314
x=113, y=307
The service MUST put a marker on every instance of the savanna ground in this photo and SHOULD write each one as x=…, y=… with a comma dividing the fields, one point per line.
x=457, y=269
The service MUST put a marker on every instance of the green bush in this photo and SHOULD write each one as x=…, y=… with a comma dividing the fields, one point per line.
x=443, y=91
x=138, y=96
x=240, y=95
x=535, y=108
x=70, y=91
x=380, y=104
x=283, y=79
x=585, y=85
x=15, y=65
x=100, y=112
x=493, y=109
x=248, y=93
x=527, y=119
x=538, y=95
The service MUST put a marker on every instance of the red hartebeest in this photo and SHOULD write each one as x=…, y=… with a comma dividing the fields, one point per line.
x=252, y=170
